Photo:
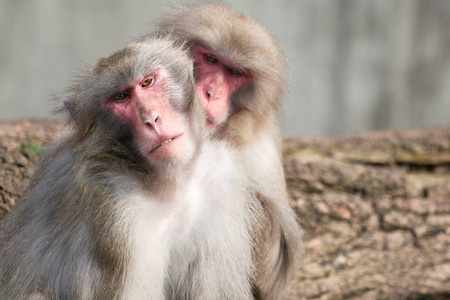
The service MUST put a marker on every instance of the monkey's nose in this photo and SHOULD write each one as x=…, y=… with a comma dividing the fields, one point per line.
x=152, y=119
x=212, y=93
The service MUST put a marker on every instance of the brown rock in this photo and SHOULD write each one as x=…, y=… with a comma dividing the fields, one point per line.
x=375, y=208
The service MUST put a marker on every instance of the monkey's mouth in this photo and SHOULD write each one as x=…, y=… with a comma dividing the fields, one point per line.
x=210, y=122
x=164, y=143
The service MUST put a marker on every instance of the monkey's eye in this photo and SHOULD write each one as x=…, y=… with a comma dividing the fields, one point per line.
x=120, y=97
x=211, y=59
x=234, y=72
x=147, y=82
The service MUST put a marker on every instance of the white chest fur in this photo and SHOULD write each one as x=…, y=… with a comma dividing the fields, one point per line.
x=201, y=235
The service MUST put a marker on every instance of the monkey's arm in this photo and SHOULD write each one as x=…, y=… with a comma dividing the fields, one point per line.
x=277, y=248
x=48, y=245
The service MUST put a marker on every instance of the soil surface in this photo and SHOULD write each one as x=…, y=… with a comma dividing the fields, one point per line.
x=374, y=208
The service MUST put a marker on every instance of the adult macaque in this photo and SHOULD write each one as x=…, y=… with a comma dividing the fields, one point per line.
x=240, y=74
x=133, y=202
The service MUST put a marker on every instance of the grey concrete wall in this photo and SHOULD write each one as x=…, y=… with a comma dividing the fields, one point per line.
x=355, y=65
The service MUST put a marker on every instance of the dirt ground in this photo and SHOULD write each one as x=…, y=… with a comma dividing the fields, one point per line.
x=374, y=208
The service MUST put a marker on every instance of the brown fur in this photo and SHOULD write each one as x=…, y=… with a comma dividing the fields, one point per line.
x=244, y=42
x=251, y=48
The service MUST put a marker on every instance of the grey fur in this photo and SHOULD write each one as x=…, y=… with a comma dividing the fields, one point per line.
x=84, y=227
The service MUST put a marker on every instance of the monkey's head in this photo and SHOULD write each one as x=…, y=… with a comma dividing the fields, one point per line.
x=237, y=63
x=141, y=98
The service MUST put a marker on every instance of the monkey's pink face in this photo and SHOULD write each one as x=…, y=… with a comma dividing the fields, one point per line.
x=216, y=79
x=161, y=134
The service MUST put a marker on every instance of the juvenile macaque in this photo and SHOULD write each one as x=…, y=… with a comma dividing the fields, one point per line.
x=134, y=202
x=240, y=74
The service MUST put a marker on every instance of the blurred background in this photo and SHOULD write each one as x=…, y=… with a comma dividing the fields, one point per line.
x=355, y=65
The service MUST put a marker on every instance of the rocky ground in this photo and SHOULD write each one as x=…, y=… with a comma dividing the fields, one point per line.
x=375, y=208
